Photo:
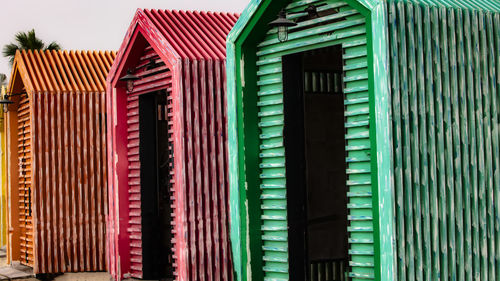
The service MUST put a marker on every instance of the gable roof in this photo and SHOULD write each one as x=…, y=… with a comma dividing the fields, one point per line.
x=178, y=35
x=253, y=7
x=61, y=71
x=194, y=35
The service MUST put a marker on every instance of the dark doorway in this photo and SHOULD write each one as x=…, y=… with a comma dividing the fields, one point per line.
x=315, y=165
x=155, y=152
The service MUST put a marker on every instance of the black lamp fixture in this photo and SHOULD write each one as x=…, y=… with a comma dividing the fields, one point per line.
x=5, y=101
x=129, y=78
x=282, y=23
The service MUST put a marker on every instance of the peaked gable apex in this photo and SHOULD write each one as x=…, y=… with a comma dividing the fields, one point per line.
x=175, y=36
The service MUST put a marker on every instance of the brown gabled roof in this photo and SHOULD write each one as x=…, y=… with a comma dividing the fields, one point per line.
x=61, y=71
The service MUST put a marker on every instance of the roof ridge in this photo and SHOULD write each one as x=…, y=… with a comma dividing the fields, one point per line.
x=474, y=5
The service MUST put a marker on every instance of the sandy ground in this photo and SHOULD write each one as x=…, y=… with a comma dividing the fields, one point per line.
x=87, y=276
x=90, y=276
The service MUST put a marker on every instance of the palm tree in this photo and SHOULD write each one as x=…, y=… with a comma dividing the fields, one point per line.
x=27, y=41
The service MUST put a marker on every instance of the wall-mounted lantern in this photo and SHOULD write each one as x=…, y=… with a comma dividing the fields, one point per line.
x=282, y=23
x=5, y=101
x=129, y=78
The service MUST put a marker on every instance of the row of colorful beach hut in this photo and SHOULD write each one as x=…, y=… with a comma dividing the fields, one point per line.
x=312, y=140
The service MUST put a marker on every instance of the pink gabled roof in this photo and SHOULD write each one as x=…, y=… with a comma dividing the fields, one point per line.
x=175, y=35
x=194, y=35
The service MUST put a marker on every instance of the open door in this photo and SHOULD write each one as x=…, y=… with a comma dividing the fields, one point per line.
x=315, y=165
x=156, y=160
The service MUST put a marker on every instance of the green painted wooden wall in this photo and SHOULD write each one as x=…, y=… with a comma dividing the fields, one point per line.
x=445, y=86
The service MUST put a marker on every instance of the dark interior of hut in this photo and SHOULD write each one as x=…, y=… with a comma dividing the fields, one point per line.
x=315, y=164
x=155, y=158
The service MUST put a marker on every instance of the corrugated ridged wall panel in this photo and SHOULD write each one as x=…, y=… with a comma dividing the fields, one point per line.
x=25, y=180
x=445, y=67
x=206, y=217
x=349, y=30
x=134, y=184
x=358, y=145
x=69, y=185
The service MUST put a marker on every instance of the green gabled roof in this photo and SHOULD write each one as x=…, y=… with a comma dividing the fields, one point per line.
x=478, y=5
x=475, y=5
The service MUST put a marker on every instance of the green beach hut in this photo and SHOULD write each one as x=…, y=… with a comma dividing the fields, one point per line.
x=364, y=140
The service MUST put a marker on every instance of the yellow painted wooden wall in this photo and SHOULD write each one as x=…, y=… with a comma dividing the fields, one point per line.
x=3, y=181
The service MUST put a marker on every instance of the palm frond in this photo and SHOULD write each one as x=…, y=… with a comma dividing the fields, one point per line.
x=53, y=46
x=34, y=43
x=26, y=41
x=22, y=39
x=9, y=51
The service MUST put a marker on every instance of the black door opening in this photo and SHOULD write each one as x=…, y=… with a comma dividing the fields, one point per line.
x=315, y=165
x=155, y=152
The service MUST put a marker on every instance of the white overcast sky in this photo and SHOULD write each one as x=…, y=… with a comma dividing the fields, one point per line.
x=88, y=24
